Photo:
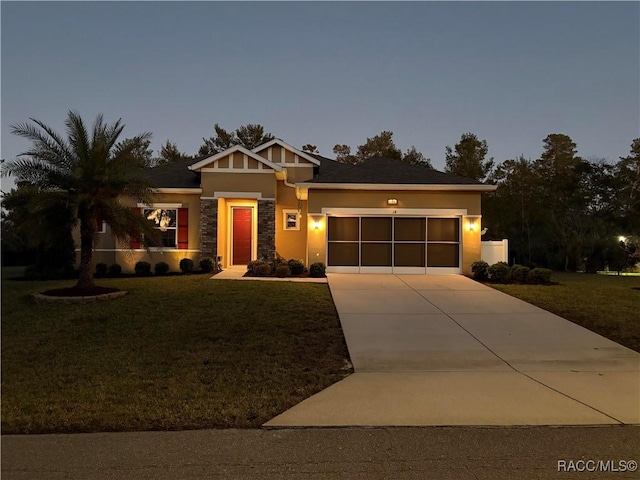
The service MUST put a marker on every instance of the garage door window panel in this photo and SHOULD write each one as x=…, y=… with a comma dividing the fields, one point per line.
x=444, y=230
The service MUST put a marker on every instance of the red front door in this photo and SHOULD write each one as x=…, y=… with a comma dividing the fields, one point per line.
x=241, y=236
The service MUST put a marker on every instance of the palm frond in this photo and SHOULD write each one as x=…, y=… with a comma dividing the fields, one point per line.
x=78, y=136
x=34, y=171
x=42, y=142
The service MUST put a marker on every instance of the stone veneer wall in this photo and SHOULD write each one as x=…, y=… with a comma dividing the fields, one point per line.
x=267, y=229
x=208, y=228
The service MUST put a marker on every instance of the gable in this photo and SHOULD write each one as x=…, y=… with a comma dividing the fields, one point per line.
x=283, y=154
x=236, y=159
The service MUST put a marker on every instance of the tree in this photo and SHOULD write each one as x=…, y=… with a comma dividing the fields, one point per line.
x=468, y=160
x=414, y=157
x=562, y=176
x=169, y=153
x=627, y=178
x=249, y=136
x=343, y=154
x=512, y=210
x=381, y=145
x=141, y=150
x=37, y=234
x=89, y=171
x=310, y=148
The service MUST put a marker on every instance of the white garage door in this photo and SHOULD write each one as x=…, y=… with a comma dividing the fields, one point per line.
x=393, y=244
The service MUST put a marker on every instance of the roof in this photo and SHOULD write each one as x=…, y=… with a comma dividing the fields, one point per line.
x=382, y=171
x=174, y=175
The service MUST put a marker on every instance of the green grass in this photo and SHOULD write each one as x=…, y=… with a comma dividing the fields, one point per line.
x=175, y=353
x=608, y=305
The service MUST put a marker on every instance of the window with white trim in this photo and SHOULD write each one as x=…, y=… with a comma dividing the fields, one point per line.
x=102, y=227
x=166, y=221
x=291, y=220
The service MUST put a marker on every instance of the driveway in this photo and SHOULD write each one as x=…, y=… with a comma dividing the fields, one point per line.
x=445, y=350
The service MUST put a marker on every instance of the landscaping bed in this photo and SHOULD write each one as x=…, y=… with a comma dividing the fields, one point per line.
x=182, y=352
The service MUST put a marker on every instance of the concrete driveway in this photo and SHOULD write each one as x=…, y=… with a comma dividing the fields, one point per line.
x=445, y=350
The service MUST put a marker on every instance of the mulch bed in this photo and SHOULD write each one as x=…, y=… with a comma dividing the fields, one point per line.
x=79, y=292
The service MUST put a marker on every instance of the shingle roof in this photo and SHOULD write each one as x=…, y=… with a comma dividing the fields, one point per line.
x=174, y=175
x=386, y=171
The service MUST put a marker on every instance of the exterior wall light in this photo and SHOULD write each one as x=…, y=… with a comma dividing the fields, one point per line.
x=471, y=226
x=317, y=224
x=392, y=201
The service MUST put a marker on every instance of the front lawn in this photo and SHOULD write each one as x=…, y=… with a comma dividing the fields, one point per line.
x=608, y=305
x=175, y=353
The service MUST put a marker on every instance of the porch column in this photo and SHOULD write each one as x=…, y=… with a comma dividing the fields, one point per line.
x=208, y=228
x=267, y=229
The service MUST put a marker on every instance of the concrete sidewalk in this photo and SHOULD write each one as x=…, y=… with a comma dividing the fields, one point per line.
x=445, y=350
x=334, y=453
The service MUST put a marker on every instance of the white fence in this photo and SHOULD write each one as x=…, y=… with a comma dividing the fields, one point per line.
x=495, y=251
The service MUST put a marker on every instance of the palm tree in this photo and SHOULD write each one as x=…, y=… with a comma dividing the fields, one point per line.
x=90, y=172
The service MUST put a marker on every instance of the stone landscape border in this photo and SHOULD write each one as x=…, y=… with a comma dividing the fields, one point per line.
x=40, y=298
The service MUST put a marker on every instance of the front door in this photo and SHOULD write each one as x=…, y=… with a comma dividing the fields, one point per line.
x=241, y=235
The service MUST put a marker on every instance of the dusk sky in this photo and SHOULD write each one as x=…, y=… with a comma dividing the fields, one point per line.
x=328, y=73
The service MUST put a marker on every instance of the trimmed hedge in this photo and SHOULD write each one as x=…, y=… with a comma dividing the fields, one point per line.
x=520, y=273
x=283, y=271
x=186, y=265
x=480, y=270
x=500, y=272
x=317, y=270
x=540, y=275
x=161, y=268
x=101, y=268
x=207, y=264
x=142, y=269
x=296, y=267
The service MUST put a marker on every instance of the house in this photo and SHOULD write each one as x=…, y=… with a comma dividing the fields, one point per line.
x=382, y=216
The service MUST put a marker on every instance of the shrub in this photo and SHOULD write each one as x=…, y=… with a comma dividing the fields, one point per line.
x=480, y=270
x=142, y=268
x=186, y=265
x=500, y=272
x=101, y=268
x=207, y=264
x=540, y=275
x=253, y=265
x=317, y=270
x=283, y=271
x=520, y=273
x=262, y=269
x=161, y=268
x=296, y=266
x=115, y=269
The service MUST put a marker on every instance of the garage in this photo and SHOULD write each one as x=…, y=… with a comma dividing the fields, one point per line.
x=401, y=244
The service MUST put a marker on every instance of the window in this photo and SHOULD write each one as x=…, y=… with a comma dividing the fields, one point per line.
x=291, y=220
x=166, y=222
x=102, y=226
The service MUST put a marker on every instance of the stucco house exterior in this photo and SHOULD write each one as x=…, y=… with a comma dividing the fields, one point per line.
x=382, y=216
